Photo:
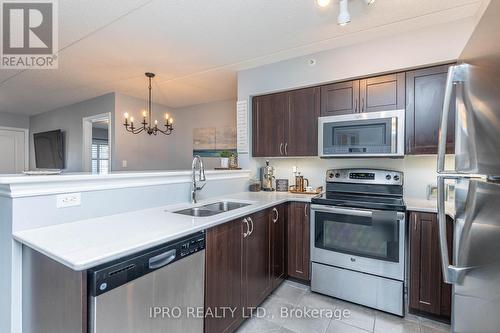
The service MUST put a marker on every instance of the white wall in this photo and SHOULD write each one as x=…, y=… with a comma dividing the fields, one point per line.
x=173, y=152
x=70, y=120
x=433, y=45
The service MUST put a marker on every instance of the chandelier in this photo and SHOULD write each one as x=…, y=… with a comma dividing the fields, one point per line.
x=146, y=124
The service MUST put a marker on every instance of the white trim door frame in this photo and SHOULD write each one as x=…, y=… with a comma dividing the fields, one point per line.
x=25, y=131
x=87, y=139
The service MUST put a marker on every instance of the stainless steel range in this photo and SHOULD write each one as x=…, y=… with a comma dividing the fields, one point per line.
x=358, y=238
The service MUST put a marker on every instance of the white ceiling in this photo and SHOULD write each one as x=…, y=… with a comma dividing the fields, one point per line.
x=196, y=46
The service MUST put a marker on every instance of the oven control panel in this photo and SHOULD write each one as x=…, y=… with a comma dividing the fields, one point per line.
x=368, y=176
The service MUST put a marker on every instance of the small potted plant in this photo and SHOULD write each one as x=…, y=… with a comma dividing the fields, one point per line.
x=224, y=159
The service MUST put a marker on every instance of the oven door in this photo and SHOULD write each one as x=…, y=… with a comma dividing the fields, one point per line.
x=368, y=241
x=362, y=134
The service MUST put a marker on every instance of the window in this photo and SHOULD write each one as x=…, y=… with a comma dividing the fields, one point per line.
x=100, y=157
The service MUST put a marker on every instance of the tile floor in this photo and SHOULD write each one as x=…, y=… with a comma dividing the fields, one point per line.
x=291, y=295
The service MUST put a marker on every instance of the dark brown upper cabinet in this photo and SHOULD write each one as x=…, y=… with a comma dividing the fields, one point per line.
x=425, y=97
x=268, y=126
x=428, y=292
x=286, y=124
x=298, y=240
x=382, y=93
x=340, y=98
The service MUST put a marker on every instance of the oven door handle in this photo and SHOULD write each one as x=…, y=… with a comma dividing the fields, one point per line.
x=347, y=211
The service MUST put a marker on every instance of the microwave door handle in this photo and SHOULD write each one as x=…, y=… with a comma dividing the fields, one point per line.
x=394, y=135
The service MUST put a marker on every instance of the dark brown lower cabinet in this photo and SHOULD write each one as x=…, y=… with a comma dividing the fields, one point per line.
x=245, y=261
x=428, y=292
x=223, y=287
x=298, y=240
x=257, y=260
x=278, y=226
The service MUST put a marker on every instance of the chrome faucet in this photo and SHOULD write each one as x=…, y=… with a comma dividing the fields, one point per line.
x=197, y=163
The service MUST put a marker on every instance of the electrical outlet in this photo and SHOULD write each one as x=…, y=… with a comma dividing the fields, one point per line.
x=69, y=200
x=124, y=163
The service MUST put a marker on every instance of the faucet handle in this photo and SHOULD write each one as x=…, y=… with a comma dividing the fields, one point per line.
x=199, y=188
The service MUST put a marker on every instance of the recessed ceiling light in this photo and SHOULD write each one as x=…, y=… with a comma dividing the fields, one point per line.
x=323, y=3
x=344, y=16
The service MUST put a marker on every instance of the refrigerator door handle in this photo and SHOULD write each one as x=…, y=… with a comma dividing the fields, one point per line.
x=451, y=274
x=455, y=75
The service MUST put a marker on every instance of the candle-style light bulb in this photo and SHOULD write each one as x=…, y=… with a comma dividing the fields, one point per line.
x=156, y=122
x=131, y=119
x=126, y=115
x=166, y=116
x=171, y=121
x=144, y=113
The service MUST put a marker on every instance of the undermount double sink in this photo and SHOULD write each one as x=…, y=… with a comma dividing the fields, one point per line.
x=212, y=209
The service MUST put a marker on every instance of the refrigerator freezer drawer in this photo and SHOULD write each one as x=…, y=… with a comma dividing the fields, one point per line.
x=365, y=289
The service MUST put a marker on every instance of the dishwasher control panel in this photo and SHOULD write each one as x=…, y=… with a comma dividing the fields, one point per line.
x=109, y=276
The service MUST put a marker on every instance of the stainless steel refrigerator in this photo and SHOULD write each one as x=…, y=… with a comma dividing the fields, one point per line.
x=473, y=89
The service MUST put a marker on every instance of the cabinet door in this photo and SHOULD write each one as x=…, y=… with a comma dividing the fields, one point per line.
x=223, y=288
x=302, y=121
x=382, y=93
x=298, y=240
x=425, y=97
x=428, y=292
x=268, y=125
x=257, y=260
x=278, y=245
x=340, y=98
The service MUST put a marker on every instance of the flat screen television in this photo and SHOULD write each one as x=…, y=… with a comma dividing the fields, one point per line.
x=49, y=150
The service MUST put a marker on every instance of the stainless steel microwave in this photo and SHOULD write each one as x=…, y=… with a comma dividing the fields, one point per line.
x=368, y=134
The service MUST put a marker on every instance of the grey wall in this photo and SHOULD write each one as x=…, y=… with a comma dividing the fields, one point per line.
x=14, y=120
x=215, y=114
x=142, y=152
x=69, y=119
x=433, y=45
x=173, y=152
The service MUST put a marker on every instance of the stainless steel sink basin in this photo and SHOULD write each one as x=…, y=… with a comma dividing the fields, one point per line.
x=212, y=209
x=225, y=206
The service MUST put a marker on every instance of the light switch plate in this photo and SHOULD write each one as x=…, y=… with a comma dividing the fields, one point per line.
x=69, y=200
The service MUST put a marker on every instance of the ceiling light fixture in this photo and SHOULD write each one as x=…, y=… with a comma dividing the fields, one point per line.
x=344, y=16
x=147, y=126
x=370, y=2
x=323, y=3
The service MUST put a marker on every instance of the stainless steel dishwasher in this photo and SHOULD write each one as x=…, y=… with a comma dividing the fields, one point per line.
x=156, y=291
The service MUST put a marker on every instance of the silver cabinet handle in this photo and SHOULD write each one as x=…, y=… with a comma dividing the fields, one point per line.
x=305, y=210
x=251, y=221
x=356, y=105
x=362, y=104
x=286, y=146
x=162, y=259
x=247, y=233
x=281, y=148
x=277, y=215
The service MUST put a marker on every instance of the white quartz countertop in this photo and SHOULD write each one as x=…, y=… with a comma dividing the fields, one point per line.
x=87, y=243
x=428, y=206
